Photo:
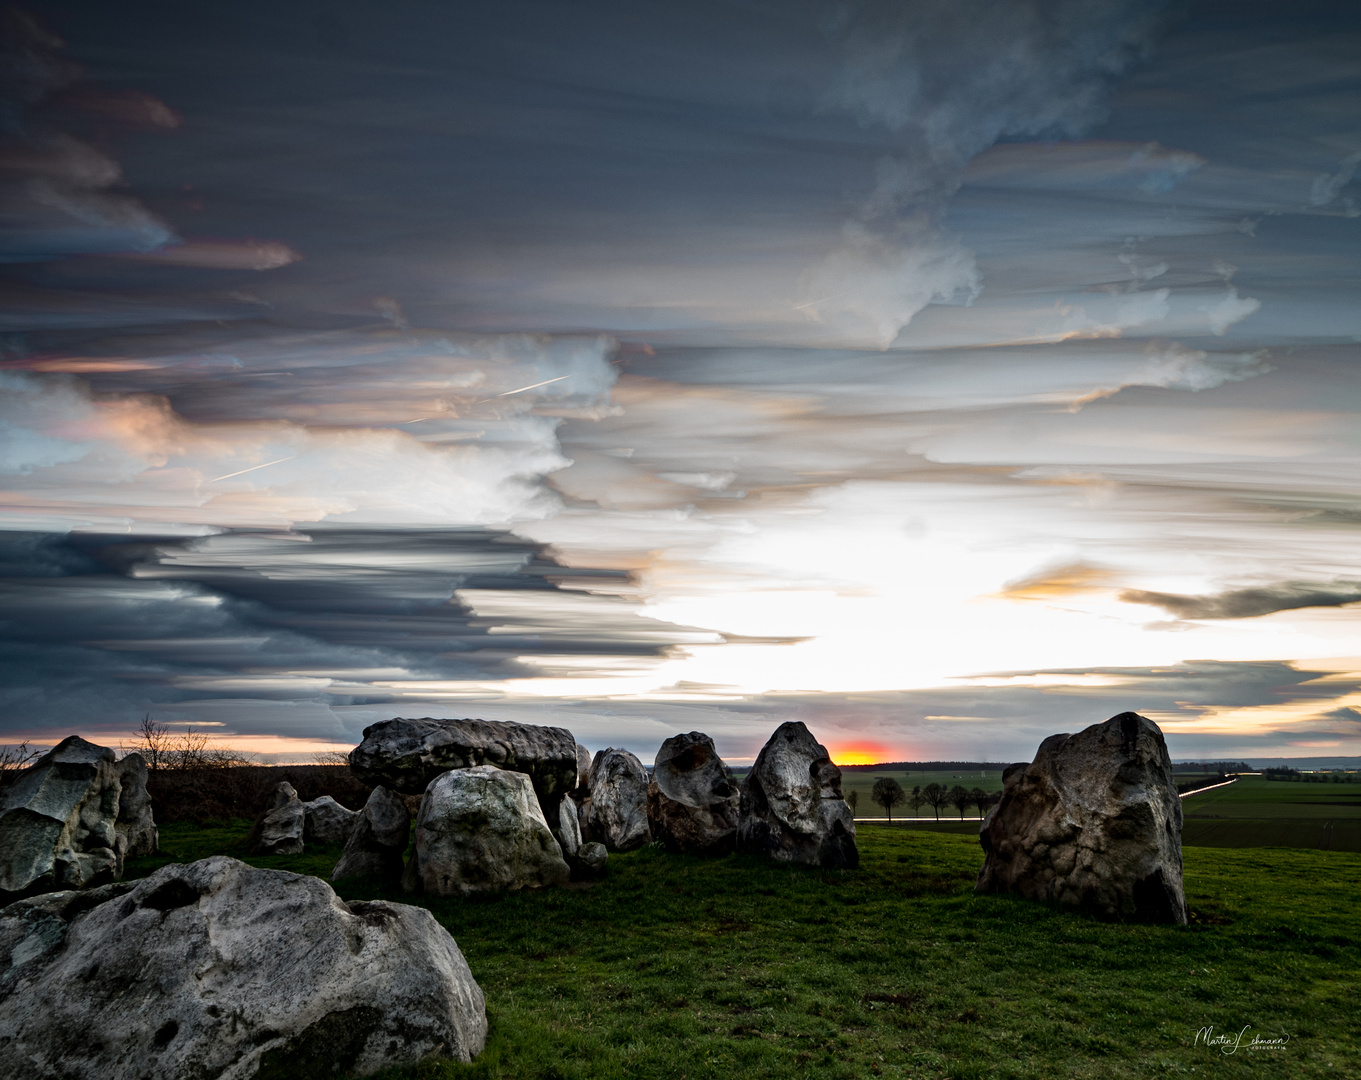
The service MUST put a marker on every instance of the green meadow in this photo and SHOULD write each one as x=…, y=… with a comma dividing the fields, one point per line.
x=683, y=968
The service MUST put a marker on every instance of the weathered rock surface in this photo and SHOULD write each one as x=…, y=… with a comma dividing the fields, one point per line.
x=217, y=970
x=379, y=838
x=692, y=800
x=618, y=803
x=279, y=830
x=406, y=755
x=583, y=771
x=1093, y=822
x=69, y=820
x=568, y=832
x=480, y=829
x=791, y=806
x=325, y=821
x=135, y=825
x=593, y=859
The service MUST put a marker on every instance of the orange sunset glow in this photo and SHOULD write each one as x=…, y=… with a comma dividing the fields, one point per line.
x=860, y=753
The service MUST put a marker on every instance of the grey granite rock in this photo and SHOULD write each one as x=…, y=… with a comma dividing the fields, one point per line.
x=618, y=802
x=1093, y=822
x=69, y=819
x=215, y=969
x=692, y=800
x=279, y=830
x=791, y=804
x=405, y=755
x=325, y=821
x=480, y=829
x=379, y=839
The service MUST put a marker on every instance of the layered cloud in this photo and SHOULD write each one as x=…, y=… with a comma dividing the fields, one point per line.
x=1250, y=603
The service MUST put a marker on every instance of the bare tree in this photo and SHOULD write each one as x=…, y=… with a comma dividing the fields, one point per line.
x=888, y=793
x=342, y=757
x=13, y=761
x=960, y=799
x=161, y=749
x=936, y=796
x=981, y=799
x=152, y=741
x=852, y=799
x=916, y=800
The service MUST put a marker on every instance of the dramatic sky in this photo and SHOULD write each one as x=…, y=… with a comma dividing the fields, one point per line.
x=943, y=373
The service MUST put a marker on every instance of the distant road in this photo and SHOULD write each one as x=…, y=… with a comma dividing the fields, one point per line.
x=1197, y=791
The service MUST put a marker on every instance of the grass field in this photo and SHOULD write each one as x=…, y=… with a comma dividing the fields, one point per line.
x=1256, y=812
x=686, y=969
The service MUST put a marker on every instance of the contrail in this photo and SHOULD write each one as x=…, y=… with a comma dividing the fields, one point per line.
x=242, y=472
x=532, y=386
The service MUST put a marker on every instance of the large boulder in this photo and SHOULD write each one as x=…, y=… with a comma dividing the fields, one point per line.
x=480, y=829
x=378, y=841
x=1093, y=822
x=692, y=801
x=325, y=821
x=279, y=830
x=618, y=804
x=69, y=820
x=215, y=969
x=406, y=755
x=791, y=805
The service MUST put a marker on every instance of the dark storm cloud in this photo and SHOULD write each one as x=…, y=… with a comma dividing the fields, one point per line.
x=1250, y=603
x=746, y=169
x=94, y=628
x=58, y=194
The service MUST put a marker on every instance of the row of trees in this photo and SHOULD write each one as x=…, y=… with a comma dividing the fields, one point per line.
x=1295, y=776
x=888, y=793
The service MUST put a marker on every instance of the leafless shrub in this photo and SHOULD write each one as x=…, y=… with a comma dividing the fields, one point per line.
x=331, y=757
x=163, y=749
x=13, y=761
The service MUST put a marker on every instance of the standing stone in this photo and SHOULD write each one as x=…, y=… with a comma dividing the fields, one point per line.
x=569, y=828
x=325, y=821
x=1093, y=822
x=791, y=807
x=278, y=831
x=135, y=826
x=68, y=820
x=583, y=787
x=379, y=838
x=406, y=755
x=215, y=969
x=481, y=830
x=692, y=801
x=618, y=804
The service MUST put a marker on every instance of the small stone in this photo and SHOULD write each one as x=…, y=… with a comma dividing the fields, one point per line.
x=279, y=830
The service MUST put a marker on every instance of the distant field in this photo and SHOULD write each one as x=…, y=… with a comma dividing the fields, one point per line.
x=1256, y=812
